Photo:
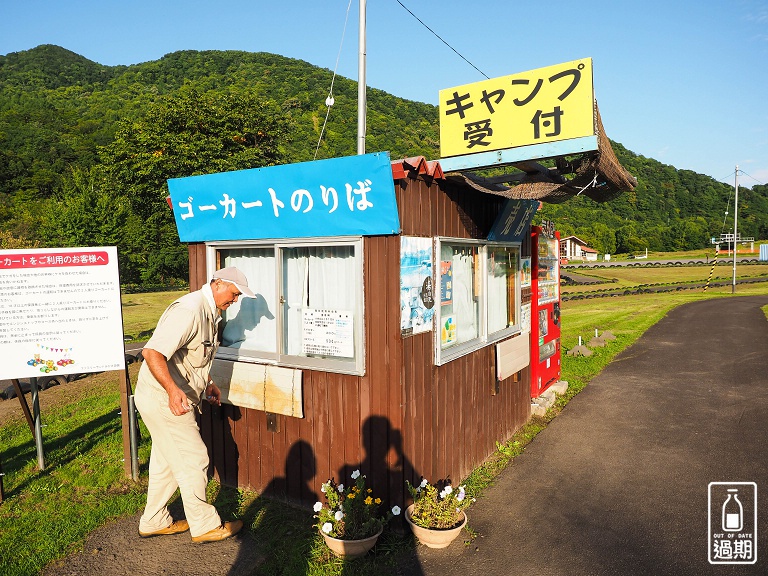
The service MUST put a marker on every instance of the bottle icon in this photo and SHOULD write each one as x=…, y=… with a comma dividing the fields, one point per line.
x=733, y=512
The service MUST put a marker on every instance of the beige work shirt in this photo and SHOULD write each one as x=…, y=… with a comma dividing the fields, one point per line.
x=186, y=335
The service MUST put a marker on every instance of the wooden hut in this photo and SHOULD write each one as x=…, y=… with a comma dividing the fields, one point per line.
x=405, y=416
x=411, y=404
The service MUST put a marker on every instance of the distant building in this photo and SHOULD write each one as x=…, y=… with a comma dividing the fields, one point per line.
x=574, y=248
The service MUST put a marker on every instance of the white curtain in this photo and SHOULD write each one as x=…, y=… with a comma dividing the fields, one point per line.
x=498, y=277
x=250, y=323
x=465, y=308
x=321, y=277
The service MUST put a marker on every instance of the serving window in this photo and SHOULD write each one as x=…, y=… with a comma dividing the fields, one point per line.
x=479, y=295
x=308, y=310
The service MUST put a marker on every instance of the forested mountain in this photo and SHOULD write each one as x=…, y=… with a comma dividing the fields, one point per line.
x=85, y=150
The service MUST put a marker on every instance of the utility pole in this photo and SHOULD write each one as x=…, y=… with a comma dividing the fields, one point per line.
x=735, y=226
x=361, y=103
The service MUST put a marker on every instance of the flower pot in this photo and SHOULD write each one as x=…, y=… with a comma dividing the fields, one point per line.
x=351, y=548
x=434, y=537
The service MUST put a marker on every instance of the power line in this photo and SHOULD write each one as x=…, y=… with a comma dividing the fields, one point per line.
x=441, y=40
x=753, y=178
x=726, y=177
x=329, y=100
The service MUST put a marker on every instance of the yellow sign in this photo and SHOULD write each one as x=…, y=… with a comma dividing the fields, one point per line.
x=542, y=105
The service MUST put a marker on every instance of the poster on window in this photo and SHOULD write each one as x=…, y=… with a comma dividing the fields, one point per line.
x=417, y=295
x=525, y=318
x=446, y=282
x=525, y=272
x=448, y=331
x=60, y=312
x=327, y=333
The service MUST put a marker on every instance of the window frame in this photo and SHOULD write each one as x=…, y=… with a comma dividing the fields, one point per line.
x=280, y=357
x=484, y=338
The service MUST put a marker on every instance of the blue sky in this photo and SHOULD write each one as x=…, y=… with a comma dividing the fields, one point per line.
x=684, y=82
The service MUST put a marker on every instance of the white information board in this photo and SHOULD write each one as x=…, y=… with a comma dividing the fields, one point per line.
x=328, y=333
x=60, y=312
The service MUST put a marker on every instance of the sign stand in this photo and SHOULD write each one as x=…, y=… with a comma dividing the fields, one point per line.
x=125, y=391
x=131, y=431
x=33, y=417
x=38, y=427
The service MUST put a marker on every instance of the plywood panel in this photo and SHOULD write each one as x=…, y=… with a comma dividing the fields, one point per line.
x=259, y=386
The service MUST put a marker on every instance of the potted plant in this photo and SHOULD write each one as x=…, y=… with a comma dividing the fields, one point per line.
x=437, y=515
x=350, y=521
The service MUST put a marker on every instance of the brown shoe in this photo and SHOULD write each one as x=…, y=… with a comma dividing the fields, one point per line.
x=224, y=531
x=175, y=528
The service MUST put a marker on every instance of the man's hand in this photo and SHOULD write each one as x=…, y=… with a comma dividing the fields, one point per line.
x=178, y=402
x=158, y=365
x=213, y=394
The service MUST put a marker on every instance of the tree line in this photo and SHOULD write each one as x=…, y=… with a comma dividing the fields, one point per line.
x=86, y=150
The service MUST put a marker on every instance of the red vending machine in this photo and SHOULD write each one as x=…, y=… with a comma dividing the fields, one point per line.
x=545, y=307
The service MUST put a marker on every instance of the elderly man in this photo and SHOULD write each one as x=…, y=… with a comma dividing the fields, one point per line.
x=172, y=382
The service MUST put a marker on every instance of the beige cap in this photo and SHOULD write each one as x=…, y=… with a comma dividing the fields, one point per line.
x=233, y=275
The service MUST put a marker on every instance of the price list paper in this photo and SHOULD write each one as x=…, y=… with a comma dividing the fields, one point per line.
x=328, y=333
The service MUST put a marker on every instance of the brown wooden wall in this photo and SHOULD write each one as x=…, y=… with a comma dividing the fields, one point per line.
x=405, y=417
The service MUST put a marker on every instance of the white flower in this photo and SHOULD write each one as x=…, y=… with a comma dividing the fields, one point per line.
x=340, y=488
x=443, y=494
x=322, y=488
x=396, y=510
x=355, y=474
x=448, y=489
x=318, y=506
x=327, y=527
x=339, y=515
x=423, y=483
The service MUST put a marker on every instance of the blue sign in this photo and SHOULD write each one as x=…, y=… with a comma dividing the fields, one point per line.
x=514, y=220
x=350, y=196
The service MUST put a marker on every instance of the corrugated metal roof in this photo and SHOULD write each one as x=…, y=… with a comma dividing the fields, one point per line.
x=416, y=165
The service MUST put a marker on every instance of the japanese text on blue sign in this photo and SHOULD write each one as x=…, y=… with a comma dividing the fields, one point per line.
x=350, y=196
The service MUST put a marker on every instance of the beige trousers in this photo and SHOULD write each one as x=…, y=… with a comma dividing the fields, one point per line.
x=179, y=459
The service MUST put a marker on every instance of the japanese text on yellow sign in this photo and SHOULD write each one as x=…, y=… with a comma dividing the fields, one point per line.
x=542, y=105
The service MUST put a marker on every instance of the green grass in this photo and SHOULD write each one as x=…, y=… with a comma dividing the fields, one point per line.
x=142, y=311
x=48, y=514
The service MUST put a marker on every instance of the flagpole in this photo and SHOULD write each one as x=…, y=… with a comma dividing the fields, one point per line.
x=361, y=100
x=735, y=229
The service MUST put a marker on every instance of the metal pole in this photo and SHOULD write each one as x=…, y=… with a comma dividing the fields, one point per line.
x=38, y=423
x=2, y=493
x=133, y=438
x=361, y=103
x=735, y=226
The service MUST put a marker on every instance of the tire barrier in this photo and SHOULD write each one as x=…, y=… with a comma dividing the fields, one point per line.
x=655, y=264
x=655, y=290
